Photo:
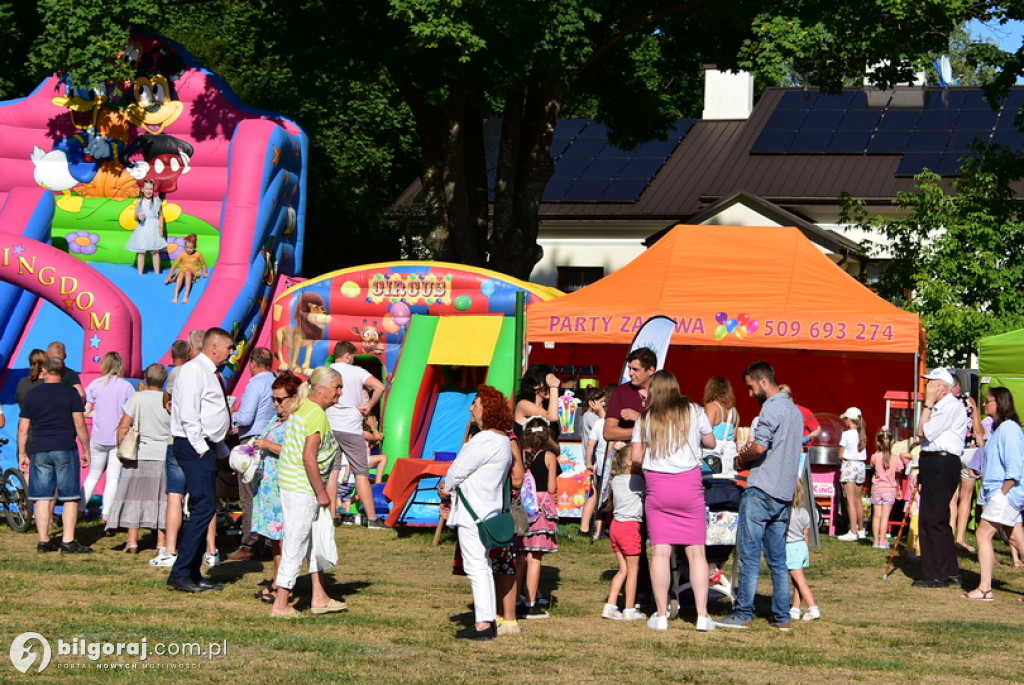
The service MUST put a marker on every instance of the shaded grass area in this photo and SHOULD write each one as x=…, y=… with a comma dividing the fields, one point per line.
x=405, y=605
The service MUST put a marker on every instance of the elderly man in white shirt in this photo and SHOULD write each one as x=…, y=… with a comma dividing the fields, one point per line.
x=942, y=429
x=199, y=423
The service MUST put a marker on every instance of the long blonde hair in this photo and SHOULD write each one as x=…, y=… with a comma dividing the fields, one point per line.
x=666, y=421
x=799, y=495
x=112, y=365
x=622, y=462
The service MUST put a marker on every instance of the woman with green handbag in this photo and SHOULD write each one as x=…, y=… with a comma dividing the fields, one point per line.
x=478, y=476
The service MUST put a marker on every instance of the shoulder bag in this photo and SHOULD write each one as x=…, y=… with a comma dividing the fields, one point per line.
x=128, y=448
x=497, y=531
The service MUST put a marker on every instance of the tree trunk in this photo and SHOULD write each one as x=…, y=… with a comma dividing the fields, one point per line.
x=524, y=168
x=454, y=178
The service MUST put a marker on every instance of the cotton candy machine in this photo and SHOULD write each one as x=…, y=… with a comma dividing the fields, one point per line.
x=823, y=455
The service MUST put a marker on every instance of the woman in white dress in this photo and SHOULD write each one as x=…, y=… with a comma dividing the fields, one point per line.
x=149, y=235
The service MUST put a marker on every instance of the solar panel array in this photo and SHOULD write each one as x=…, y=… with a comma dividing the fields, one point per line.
x=590, y=169
x=929, y=128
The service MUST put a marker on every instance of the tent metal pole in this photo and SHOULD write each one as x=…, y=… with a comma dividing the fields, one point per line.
x=913, y=393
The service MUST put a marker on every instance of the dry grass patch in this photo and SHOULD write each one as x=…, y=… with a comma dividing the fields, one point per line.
x=406, y=605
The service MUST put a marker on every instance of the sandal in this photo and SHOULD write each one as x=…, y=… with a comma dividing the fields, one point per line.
x=131, y=549
x=267, y=595
x=986, y=596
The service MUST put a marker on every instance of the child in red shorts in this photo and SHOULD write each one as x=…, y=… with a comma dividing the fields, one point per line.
x=628, y=513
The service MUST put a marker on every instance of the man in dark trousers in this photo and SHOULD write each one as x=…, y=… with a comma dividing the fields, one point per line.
x=942, y=430
x=199, y=423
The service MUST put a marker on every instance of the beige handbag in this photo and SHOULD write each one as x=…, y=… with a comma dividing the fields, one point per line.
x=128, y=448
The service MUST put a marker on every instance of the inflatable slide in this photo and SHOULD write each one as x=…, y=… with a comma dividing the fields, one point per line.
x=73, y=164
x=442, y=362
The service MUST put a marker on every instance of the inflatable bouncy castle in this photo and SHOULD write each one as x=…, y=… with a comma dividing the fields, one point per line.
x=434, y=331
x=73, y=164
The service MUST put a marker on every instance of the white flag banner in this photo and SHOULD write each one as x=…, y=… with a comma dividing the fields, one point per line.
x=655, y=334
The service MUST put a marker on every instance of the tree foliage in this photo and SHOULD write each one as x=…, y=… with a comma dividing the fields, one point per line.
x=955, y=254
x=280, y=57
x=19, y=26
x=341, y=66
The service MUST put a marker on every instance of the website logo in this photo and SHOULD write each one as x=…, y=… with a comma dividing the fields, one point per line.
x=24, y=652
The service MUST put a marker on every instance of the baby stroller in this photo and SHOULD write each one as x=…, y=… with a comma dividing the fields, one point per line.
x=722, y=499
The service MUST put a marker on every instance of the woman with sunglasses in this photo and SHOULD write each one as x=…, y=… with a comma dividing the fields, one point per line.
x=1001, y=489
x=287, y=392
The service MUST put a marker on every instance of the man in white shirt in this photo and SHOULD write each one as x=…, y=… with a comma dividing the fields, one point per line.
x=346, y=419
x=942, y=430
x=199, y=423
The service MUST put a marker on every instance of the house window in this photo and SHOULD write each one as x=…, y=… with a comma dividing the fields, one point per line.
x=571, y=278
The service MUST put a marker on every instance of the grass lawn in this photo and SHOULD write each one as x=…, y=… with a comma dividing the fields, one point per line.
x=405, y=606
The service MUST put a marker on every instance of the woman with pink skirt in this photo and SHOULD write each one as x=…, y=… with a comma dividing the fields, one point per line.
x=667, y=441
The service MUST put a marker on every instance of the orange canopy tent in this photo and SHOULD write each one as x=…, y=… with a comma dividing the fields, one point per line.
x=739, y=294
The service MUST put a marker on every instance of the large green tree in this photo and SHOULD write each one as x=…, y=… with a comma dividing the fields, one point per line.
x=455, y=63
x=955, y=254
x=273, y=54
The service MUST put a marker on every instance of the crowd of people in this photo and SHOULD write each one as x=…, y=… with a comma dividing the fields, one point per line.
x=647, y=445
x=299, y=433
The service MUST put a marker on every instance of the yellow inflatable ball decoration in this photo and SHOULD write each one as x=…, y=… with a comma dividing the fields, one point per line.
x=350, y=289
x=127, y=216
x=172, y=212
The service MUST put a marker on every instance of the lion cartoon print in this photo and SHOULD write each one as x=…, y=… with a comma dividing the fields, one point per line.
x=311, y=320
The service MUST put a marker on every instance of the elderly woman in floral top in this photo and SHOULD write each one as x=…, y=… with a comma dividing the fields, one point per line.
x=266, y=505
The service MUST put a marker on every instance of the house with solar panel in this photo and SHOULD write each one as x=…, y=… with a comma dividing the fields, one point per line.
x=785, y=161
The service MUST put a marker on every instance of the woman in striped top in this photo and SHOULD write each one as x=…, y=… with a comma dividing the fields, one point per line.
x=305, y=462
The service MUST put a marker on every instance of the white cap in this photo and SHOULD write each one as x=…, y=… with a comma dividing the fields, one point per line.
x=243, y=460
x=851, y=413
x=939, y=374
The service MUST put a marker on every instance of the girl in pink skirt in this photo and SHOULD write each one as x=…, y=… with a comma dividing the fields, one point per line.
x=542, y=464
x=667, y=442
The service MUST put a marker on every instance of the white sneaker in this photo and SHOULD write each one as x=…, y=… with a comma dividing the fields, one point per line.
x=163, y=560
x=813, y=614
x=657, y=622
x=794, y=613
x=633, y=615
x=611, y=611
x=705, y=624
x=862, y=534
x=211, y=559
x=848, y=537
